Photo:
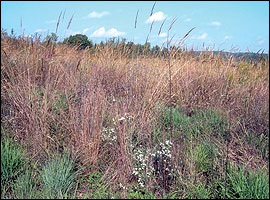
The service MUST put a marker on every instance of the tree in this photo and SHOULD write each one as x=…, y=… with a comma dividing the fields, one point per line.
x=130, y=45
x=147, y=47
x=139, y=49
x=78, y=40
x=155, y=50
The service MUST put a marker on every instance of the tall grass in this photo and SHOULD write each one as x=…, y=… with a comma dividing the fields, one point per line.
x=247, y=185
x=108, y=103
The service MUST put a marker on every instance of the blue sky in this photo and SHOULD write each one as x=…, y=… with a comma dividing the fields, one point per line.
x=221, y=25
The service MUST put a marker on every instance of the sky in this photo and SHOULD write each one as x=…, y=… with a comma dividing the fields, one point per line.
x=235, y=26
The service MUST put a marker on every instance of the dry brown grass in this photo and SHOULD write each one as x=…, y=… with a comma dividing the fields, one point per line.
x=56, y=97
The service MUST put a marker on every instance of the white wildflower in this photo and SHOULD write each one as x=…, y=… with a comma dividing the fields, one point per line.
x=121, y=119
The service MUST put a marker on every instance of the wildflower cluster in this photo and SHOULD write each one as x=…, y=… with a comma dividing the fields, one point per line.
x=150, y=163
x=162, y=159
x=122, y=186
x=143, y=169
x=109, y=134
x=126, y=116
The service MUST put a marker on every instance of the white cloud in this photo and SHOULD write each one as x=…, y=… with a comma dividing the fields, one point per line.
x=202, y=37
x=215, y=23
x=85, y=30
x=71, y=32
x=188, y=20
x=227, y=37
x=101, y=32
x=28, y=35
x=260, y=41
x=164, y=41
x=95, y=14
x=158, y=16
x=162, y=35
x=225, y=40
x=114, y=33
x=41, y=30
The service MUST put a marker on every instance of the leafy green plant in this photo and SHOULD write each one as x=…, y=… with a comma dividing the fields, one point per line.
x=59, y=175
x=12, y=161
x=94, y=179
x=57, y=127
x=101, y=193
x=260, y=143
x=246, y=184
x=97, y=189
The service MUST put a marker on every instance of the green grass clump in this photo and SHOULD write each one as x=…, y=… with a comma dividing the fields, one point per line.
x=209, y=121
x=246, y=184
x=199, y=191
x=197, y=123
x=139, y=195
x=179, y=119
x=26, y=186
x=12, y=161
x=204, y=155
x=59, y=176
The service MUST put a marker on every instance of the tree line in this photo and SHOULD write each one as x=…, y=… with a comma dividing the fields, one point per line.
x=83, y=42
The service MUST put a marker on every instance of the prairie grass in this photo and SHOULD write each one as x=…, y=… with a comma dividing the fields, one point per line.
x=58, y=176
x=117, y=110
x=12, y=162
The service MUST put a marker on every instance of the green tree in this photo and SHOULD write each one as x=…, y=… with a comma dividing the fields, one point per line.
x=139, y=49
x=130, y=45
x=147, y=47
x=155, y=50
x=79, y=40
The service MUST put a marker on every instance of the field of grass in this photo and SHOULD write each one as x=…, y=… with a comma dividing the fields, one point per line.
x=104, y=124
